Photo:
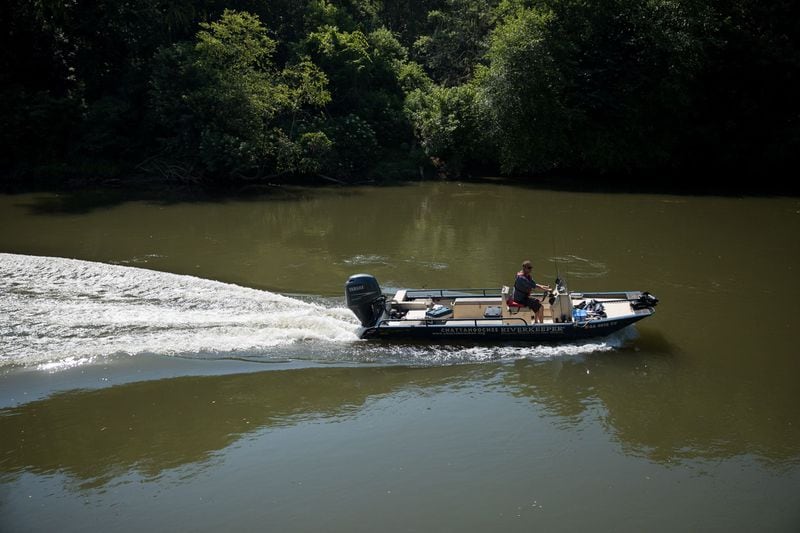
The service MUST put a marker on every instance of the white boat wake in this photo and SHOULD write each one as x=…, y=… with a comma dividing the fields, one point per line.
x=58, y=313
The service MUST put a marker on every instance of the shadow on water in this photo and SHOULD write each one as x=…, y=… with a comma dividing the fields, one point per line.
x=646, y=184
x=156, y=425
x=83, y=202
x=658, y=408
x=87, y=200
x=654, y=341
x=149, y=427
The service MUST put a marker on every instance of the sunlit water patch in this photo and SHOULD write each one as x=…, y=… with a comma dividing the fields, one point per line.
x=370, y=260
x=580, y=267
x=359, y=260
x=58, y=313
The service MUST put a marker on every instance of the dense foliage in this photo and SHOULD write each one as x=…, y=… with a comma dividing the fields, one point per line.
x=224, y=92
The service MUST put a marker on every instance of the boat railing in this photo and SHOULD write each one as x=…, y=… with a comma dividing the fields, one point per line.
x=475, y=322
x=452, y=293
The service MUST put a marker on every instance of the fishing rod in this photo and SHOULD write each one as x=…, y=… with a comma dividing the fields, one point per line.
x=559, y=282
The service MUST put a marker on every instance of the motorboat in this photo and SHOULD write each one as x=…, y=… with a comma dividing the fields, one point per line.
x=491, y=314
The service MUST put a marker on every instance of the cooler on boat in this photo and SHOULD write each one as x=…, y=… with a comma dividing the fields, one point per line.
x=580, y=315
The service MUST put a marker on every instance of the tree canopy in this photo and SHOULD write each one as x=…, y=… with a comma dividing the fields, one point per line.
x=208, y=92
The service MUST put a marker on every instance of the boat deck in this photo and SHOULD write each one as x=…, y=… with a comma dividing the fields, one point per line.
x=411, y=308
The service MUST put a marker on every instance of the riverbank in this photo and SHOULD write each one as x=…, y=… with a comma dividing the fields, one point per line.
x=151, y=188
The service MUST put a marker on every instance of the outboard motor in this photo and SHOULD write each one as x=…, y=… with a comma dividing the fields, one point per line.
x=364, y=298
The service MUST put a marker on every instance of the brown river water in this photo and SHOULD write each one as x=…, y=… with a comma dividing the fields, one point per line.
x=174, y=364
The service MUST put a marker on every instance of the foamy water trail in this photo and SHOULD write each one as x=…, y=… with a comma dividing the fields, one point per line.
x=57, y=309
x=58, y=312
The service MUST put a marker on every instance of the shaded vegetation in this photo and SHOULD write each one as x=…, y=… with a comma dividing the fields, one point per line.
x=205, y=92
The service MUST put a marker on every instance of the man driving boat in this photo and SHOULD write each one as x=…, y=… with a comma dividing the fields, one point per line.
x=523, y=286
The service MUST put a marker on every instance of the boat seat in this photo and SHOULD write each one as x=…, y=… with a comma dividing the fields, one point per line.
x=399, y=302
x=412, y=304
x=513, y=307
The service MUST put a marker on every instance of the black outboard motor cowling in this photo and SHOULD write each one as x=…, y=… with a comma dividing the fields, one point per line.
x=364, y=298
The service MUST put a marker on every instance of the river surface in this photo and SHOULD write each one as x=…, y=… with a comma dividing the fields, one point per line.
x=174, y=364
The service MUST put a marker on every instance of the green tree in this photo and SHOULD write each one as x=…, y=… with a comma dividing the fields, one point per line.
x=226, y=110
x=603, y=87
x=406, y=18
x=456, y=39
x=522, y=92
x=450, y=127
x=73, y=76
x=369, y=74
x=746, y=116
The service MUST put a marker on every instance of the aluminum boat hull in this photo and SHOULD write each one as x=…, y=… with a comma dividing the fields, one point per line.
x=472, y=330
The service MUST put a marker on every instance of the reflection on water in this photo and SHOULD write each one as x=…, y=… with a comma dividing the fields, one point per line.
x=156, y=425
x=152, y=426
x=660, y=410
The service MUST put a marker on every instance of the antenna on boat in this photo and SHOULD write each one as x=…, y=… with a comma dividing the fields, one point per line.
x=555, y=260
x=560, y=287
